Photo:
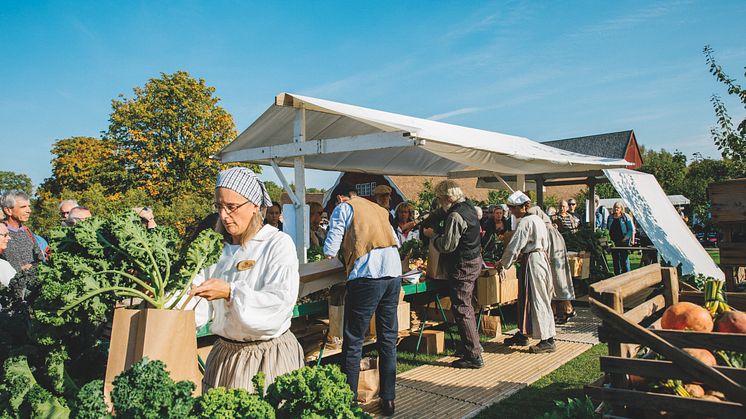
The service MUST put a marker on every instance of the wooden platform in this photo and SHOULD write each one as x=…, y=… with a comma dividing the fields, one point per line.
x=437, y=390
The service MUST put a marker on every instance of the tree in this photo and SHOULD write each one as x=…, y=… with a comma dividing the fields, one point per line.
x=81, y=162
x=12, y=180
x=730, y=140
x=166, y=134
x=668, y=168
x=274, y=190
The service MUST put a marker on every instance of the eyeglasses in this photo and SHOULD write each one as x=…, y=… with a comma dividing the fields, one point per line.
x=228, y=208
x=572, y=204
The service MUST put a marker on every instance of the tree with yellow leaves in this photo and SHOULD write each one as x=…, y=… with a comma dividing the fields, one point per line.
x=166, y=133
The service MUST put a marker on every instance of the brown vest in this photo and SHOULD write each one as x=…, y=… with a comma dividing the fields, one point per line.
x=370, y=230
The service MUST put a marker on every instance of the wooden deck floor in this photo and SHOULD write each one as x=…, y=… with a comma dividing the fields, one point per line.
x=437, y=390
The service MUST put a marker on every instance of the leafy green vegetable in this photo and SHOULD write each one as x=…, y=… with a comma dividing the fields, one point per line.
x=315, y=253
x=89, y=403
x=147, y=391
x=234, y=403
x=21, y=396
x=313, y=392
x=417, y=247
x=122, y=257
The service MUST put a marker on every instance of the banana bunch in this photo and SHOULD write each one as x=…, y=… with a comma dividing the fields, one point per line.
x=714, y=298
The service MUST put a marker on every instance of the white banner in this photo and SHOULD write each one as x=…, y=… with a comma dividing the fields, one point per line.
x=653, y=211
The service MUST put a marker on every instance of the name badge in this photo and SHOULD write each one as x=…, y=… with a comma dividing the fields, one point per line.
x=245, y=265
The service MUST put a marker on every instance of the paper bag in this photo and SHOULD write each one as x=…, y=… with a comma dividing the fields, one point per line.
x=490, y=326
x=367, y=382
x=166, y=335
x=435, y=268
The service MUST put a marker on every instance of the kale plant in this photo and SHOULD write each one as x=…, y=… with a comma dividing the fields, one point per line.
x=89, y=403
x=147, y=391
x=314, y=392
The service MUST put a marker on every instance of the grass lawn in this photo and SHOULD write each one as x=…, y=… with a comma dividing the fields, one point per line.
x=565, y=382
x=634, y=258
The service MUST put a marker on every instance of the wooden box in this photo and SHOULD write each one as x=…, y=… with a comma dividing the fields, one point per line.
x=491, y=289
x=733, y=254
x=433, y=342
x=402, y=316
x=576, y=266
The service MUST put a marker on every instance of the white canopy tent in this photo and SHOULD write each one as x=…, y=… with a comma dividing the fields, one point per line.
x=299, y=131
x=676, y=200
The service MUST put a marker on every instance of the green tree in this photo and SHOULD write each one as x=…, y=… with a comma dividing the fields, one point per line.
x=166, y=134
x=274, y=190
x=81, y=162
x=668, y=168
x=12, y=180
x=730, y=140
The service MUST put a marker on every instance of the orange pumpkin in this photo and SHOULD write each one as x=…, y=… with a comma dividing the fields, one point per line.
x=687, y=316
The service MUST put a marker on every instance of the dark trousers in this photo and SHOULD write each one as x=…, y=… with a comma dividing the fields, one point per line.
x=366, y=296
x=621, y=260
x=461, y=280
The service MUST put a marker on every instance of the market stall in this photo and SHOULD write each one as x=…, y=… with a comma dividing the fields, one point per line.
x=304, y=132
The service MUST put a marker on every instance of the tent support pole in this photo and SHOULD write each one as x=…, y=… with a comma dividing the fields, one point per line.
x=301, y=224
x=540, y=192
x=507, y=185
x=520, y=183
x=591, y=210
x=285, y=183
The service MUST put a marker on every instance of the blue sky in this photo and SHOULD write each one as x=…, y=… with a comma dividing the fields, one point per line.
x=543, y=70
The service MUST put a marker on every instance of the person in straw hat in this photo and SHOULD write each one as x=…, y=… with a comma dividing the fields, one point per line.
x=529, y=245
x=250, y=291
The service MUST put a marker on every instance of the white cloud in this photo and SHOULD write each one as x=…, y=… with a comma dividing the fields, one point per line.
x=446, y=115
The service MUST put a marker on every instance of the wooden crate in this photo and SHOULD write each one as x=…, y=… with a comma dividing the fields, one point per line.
x=728, y=201
x=491, y=289
x=622, y=332
x=732, y=254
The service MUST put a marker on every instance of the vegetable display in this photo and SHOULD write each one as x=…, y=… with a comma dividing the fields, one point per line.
x=313, y=392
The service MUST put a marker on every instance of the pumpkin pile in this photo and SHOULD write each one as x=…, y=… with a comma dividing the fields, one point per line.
x=715, y=315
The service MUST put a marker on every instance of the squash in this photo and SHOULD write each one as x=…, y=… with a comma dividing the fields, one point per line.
x=703, y=355
x=731, y=322
x=687, y=316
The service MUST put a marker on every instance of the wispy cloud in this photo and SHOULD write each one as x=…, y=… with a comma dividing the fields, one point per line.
x=634, y=18
x=446, y=115
x=352, y=83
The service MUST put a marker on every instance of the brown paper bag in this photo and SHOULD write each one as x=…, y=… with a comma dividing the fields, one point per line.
x=367, y=382
x=166, y=335
x=435, y=268
x=490, y=326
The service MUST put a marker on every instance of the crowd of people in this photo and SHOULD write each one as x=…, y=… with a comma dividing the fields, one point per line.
x=251, y=307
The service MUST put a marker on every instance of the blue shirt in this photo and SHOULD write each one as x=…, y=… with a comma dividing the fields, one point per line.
x=378, y=263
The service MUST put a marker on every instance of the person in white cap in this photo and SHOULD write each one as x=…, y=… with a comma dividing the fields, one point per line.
x=251, y=290
x=529, y=245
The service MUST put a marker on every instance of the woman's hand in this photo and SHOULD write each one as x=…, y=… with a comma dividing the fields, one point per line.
x=428, y=232
x=213, y=289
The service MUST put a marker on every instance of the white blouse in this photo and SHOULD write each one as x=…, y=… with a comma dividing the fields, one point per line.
x=262, y=297
x=6, y=272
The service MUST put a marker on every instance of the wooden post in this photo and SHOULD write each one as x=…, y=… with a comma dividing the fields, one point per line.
x=520, y=183
x=540, y=192
x=670, y=280
x=591, y=210
x=301, y=224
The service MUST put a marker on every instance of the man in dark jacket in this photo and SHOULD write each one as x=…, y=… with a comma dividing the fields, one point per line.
x=461, y=248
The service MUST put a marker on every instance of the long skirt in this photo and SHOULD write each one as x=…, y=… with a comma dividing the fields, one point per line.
x=560, y=267
x=535, y=316
x=233, y=364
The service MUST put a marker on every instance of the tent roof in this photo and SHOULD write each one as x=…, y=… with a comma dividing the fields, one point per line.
x=612, y=145
x=351, y=138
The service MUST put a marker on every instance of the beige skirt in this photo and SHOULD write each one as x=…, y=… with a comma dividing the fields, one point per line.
x=233, y=364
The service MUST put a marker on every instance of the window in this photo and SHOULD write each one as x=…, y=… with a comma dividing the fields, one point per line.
x=365, y=189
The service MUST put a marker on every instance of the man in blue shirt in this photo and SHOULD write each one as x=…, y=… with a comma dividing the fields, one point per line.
x=361, y=235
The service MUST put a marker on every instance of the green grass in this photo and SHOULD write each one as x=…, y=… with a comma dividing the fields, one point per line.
x=565, y=382
x=634, y=258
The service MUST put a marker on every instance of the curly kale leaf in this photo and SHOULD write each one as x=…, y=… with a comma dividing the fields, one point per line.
x=199, y=254
x=89, y=403
x=21, y=396
x=313, y=392
x=42, y=404
x=147, y=391
x=234, y=403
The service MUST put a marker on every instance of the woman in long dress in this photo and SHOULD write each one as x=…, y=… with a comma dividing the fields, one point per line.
x=251, y=290
x=559, y=264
